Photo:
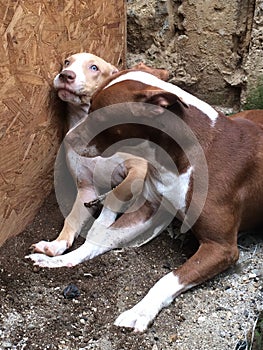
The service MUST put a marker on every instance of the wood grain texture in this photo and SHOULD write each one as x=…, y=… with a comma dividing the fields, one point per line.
x=36, y=37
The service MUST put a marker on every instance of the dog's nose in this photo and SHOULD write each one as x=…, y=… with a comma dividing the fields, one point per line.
x=67, y=76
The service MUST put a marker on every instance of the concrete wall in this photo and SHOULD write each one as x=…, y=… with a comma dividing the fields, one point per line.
x=212, y=48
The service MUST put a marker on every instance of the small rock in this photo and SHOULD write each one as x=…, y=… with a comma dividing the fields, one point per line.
x=229, y=315
x=31, y=326
x=172, y=338
x=82, y=321
x=6, y=344
x=201, y=319
x=36, y=269
x=71, y=291
x=222, y=334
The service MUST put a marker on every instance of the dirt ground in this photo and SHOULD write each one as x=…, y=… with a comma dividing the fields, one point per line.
x=218, y=315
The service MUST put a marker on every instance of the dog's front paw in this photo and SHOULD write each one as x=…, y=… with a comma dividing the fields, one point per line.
x=139, y=320
x=53, y=248
x=42, y=260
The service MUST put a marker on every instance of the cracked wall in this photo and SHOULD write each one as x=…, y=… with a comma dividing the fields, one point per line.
x=211, y=48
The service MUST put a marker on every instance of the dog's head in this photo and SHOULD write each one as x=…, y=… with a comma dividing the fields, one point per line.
x=80, y=76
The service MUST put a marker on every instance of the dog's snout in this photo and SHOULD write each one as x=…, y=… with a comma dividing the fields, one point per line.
x=67, y=76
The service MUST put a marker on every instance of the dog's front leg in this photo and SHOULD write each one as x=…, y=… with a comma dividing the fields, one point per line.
x=97, y=242
x=73, y=224
x=211, y=259
x=106, y=234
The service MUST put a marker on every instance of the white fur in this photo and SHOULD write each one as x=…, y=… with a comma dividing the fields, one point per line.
x=77, y=67
x=87, y=250
x=174, y=187
x=95, y=245
x=150, y=79
x=101, y=239
x=159, y=296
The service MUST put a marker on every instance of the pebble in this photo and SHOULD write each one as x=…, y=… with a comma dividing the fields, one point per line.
x=222, y=334
x=71, y=291
x=31, y=326
x=229, y=315
x=36, y=269
x=6, y=344
x=173, y=338
x=82, y=321
x=201, y=319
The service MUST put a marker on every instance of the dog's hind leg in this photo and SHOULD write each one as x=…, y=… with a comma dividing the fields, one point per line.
x=216, y=253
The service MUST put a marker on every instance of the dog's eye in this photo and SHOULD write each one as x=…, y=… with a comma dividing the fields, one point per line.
x=94, y=67
x=66, y=63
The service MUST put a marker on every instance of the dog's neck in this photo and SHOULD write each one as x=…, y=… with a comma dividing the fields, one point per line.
x=75, y=113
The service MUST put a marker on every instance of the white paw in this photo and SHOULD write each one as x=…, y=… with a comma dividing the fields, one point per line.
x=46, y=261
x=138, y=319
x=53, y=248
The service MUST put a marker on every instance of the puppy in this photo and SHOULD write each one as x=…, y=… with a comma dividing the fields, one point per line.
x=79, y=78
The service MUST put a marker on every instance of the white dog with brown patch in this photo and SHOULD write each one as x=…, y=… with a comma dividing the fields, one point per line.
x=80, y=77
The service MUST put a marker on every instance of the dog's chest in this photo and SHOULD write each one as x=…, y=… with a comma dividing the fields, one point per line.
x=173, y=187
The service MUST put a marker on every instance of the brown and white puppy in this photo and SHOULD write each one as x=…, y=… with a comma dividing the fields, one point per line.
x=81, y=75
x=233, y=150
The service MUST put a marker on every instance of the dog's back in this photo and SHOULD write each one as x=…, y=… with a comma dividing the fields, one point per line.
x=255, y=115
x=252, y=120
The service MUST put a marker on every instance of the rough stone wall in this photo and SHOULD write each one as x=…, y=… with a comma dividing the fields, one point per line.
x=212, y=48
x=253, y=64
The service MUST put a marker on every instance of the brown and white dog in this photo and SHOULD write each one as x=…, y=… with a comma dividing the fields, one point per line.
x=233, y=149
x=79, y=78
x=234, y=154
x=81, y=75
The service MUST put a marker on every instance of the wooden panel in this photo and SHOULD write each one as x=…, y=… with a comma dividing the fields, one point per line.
x=36, y=37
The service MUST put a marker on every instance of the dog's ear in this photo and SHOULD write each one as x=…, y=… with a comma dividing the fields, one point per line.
x=160, y=73
x=160, y=98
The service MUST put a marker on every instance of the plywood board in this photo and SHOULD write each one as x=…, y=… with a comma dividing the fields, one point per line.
x=36, y=37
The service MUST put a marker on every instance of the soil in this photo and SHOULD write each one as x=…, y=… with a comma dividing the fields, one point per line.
x=218, y=315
